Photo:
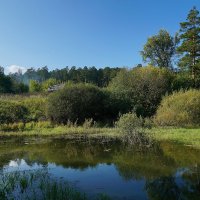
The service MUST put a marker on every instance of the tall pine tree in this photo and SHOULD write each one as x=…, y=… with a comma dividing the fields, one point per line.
x=190, y=44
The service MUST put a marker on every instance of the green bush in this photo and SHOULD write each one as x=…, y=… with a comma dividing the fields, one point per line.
x=131, y=127
x=48, y=83
x=35, y=86
x=129, y=122
x=36, y=107
x=179, y=109
x=142, y=88
x=11, y=112
x=76, y=102
x=182, y=81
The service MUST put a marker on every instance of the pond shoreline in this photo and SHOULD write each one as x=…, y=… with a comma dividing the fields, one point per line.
x=184, y=136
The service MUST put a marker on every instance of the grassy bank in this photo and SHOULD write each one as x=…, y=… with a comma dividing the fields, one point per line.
x=185, y=136
x=63, y=131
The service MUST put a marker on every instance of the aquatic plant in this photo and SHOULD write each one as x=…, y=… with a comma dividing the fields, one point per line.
x=40, y=185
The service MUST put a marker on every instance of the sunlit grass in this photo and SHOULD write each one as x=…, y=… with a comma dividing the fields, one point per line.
x=63, y=131
x=185, y=136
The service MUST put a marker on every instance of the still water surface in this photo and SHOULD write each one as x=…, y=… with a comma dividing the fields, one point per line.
x=167, y=171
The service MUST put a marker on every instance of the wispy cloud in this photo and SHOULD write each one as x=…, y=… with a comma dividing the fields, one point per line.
x=14, y=69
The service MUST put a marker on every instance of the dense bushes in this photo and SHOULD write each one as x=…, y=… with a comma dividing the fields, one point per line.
x=22, y=108
x=129, y=122
x=11, y=112
x=143, y=87
x=180, y=109
x=35, y=86
x=76, y=102
x=139, y=90
x=131, y=127
x=36, y=107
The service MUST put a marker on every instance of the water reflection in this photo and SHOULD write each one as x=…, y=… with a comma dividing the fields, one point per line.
x=166, y=171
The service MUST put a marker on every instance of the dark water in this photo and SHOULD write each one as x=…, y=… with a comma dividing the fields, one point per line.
x=164, y=172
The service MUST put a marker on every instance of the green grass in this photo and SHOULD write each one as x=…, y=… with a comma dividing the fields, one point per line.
x=61, y=131
x=185, y=136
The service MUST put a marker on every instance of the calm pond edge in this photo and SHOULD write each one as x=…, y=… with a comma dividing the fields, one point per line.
x=185, y=136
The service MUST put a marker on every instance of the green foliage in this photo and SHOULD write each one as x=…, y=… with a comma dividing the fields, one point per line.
x=131, y=127
x=5, y=83
x=190, y=44
x=36, y=107
x=182, y=81
x=36, y=185
x=129, y=122
x=48, y=83
x=99, y=77
x=142, y=88
x=76, y=102
x=19, y=88
x=20, y=126
x=159, y=49
x=35, y=86
x=179, y=109
x=11, y=112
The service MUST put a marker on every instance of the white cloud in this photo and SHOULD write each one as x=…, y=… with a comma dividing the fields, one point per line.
x=14, y=68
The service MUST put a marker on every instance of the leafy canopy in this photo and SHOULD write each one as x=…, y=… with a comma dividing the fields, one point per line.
x=159, y=49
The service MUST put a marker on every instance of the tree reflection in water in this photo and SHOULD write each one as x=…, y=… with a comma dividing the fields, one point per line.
x=170, y=172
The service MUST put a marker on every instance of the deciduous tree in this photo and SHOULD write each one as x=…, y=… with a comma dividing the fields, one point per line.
x=159, y=49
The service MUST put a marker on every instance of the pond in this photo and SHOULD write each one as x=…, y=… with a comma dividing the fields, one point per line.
x=165, y=171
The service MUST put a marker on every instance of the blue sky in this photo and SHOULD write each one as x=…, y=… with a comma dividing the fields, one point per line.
x=59, y=33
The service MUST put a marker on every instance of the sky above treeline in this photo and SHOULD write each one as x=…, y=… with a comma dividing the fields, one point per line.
x=59, y=33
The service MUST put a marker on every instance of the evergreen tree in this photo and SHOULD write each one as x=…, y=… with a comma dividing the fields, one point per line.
x=190, y=44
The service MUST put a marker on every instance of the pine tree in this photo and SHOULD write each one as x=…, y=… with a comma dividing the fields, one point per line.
x=190, y=44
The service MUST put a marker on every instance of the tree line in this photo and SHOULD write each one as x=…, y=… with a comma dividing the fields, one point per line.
x=99, y=77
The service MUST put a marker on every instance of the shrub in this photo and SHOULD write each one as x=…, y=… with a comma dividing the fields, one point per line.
x=76, y=102
x=36, y=107
x=35, y=86
x=182, y=81
x=19, y=88
x=129, y=122
x=142, y=88
x=11, y=112
x=179, y=109
x=131, y=128
x=48, y=83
